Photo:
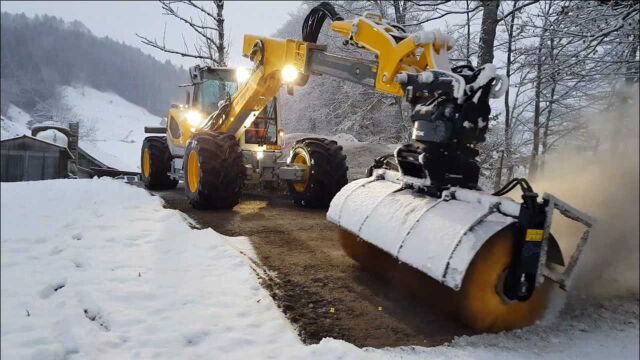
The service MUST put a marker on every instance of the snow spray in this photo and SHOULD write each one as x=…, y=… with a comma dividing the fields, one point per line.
x=602, y=182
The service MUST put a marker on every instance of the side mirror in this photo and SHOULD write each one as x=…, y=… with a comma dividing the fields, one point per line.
x=163, y=122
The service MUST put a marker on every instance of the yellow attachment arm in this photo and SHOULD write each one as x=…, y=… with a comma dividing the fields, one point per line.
x=396, y=52
x=270, y=56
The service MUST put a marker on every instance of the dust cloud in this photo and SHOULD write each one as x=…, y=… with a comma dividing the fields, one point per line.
x=603, y=182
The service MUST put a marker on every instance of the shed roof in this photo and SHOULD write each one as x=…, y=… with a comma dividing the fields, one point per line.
x=93, y=158
x=40, y=140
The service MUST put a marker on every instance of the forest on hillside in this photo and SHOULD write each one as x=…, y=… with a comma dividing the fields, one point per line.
x=42, y=53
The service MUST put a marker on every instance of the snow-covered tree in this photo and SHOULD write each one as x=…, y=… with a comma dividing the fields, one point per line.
x=212, y=46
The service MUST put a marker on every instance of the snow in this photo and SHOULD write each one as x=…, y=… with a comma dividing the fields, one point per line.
x=105, y=272
x=488, y=73
x=15, y=124
x=18, y=116
x=119, y=126
x=53, y=136
x=98, y=269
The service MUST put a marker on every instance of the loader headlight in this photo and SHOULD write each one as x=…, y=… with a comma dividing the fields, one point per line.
x=260, y=153
x=242, y=74
x=289, y=73
x=194, y=118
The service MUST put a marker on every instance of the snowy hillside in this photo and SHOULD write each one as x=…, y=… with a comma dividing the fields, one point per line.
x=116, y=126
x=76, y=283
x=119, y=126
x=15, y=124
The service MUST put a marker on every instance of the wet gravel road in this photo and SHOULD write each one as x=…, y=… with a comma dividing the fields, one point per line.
x=320, y=290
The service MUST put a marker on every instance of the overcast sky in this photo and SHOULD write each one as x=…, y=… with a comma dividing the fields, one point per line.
x=122, y=20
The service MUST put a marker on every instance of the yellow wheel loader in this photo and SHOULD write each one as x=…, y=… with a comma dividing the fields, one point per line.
x=419, y=217
x=223, y=138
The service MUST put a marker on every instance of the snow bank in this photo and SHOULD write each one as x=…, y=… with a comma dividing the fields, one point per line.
x=100, y=270
x=119, y=125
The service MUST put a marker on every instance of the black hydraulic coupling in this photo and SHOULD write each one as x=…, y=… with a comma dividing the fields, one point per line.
x=528, y=233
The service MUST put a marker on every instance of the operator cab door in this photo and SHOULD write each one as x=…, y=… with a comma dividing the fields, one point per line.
x=261, y=144
x=263, y=132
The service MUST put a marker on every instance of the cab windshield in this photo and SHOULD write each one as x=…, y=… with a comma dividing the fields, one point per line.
x=217, y=86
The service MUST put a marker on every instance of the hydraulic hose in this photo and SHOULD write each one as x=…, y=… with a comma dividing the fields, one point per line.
x=312, y=24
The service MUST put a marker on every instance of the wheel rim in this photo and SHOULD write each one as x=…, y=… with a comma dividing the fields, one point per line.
x=301, y=159
x=146, y=163
x=193, y=171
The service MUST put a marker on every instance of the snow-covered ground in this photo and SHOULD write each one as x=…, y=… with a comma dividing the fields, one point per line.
x=96, y=269
x=119, y=125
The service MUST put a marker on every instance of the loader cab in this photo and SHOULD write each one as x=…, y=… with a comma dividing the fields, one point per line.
x=210, y=87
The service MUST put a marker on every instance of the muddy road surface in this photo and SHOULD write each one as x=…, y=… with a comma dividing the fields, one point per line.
x=320, y=290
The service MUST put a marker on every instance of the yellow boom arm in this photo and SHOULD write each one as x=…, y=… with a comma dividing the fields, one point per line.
x=396, y=52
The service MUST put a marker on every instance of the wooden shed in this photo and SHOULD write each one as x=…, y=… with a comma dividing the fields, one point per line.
x=26, y=158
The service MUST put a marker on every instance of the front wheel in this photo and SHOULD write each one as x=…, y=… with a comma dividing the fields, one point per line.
x=325, y=174
x=213, y=171
x=155, y=159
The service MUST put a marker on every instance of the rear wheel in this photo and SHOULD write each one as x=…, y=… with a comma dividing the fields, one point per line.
x=213, y=171
x=325, y=174
x=155, y=160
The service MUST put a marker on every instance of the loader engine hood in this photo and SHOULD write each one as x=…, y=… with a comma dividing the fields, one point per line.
x=439, y=237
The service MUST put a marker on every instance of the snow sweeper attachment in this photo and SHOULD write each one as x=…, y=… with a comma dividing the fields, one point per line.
x=419, y=217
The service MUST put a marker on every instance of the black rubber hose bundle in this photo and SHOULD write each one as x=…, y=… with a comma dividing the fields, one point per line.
x=511, y=184
x=315, y=19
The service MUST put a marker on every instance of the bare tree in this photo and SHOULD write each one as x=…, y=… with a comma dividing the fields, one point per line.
x=506, y=150
x=488, y=31
x=212, y=47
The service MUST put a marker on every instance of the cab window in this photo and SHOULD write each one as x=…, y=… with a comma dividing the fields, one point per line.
x=210, y=92
x=264, y=129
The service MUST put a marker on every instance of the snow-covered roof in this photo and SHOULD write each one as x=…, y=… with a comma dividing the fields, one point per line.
x=92, y=158
x=41, y=140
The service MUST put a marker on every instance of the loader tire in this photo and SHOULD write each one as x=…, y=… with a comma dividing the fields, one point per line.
x=213, y=171
x=326, y=174
x=155, y=164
